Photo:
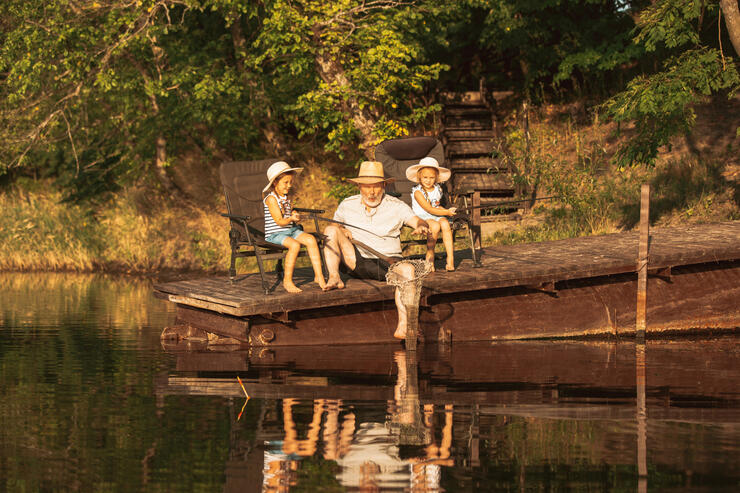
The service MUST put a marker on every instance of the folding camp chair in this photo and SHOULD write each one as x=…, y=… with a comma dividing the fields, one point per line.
x=397, y=155
x=243, y=182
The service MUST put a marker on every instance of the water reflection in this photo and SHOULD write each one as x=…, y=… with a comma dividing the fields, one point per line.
x=92, y=402
x=382, y=419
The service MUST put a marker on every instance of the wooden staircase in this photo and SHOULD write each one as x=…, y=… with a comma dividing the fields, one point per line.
x=480, y=174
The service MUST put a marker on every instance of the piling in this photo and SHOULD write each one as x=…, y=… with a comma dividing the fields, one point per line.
x=641, y=416
x=642, y=263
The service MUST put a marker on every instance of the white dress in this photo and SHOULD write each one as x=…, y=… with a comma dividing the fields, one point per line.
x=434, y=198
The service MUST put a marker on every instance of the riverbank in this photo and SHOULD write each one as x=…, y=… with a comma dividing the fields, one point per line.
x=138, y=230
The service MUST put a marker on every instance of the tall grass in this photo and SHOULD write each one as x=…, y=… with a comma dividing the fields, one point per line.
x=574, y=163
x=40, y=232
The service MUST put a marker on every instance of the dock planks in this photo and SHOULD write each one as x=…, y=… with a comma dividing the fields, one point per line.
x=503, y=266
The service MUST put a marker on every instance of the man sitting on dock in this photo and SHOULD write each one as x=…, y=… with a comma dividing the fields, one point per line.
x=368, y=240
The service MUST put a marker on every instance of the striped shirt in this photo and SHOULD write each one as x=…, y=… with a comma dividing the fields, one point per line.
x=271, y=226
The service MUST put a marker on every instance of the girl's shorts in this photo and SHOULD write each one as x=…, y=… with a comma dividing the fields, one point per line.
x=279, y=237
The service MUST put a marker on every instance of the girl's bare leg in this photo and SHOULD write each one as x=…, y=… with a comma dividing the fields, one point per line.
x=309, y=241
x=448, y=242
x=432, y=240
x=293, y=248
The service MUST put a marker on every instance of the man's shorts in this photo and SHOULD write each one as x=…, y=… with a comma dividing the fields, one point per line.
x=366, y=268
x=279, y=237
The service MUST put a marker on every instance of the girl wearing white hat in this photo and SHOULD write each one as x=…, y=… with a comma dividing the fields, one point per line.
x=281, y=224
x=425, y=202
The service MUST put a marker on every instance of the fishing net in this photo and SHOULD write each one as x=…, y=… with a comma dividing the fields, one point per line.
x=407, y=276
x=410, y=287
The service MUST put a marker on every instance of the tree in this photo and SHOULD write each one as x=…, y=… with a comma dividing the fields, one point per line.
x=340, y=69
x=109, y=88
x=694, y=66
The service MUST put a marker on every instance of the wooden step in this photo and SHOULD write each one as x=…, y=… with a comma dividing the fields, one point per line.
x=465, y=97
x=483, y=164
x=468, y=124
x=470, y=148
x=465, y=110
x=468, y=134
x=484, y=182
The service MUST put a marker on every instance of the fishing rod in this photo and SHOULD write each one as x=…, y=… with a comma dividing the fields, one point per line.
x=312, y=214
x=494, y=206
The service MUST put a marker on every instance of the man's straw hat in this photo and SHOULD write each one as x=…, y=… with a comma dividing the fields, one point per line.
x=443, y=174
x=277, y=169
x=370, y=172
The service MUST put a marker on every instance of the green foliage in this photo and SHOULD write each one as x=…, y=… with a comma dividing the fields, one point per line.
x=660, y=104
x=348, y=63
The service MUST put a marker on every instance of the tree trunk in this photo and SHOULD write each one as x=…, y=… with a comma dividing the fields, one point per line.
x=270, y=129
x=732, y=21
x=332, y=72
x=160, y=163
x=160, y=146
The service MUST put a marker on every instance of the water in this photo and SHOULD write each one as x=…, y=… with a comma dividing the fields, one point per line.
x=92, y=401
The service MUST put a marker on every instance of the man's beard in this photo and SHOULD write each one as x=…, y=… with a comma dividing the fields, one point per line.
x=373, y=202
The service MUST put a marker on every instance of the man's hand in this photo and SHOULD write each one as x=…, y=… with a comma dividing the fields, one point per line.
x=421, y=229
x=347, y=233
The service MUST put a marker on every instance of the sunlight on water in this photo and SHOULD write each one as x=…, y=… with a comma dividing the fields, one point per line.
x=93, y=401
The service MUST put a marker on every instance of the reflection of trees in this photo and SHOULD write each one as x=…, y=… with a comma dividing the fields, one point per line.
x=79, y=357
x=104, y=302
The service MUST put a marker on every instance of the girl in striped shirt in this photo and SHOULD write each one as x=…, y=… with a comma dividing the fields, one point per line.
x=281, y=224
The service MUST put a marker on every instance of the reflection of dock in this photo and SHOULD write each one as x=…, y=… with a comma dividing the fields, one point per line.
x=395, y=419
x=574, y=287
x=564, y=380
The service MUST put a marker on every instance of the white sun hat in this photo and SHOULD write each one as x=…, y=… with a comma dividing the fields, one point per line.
x=428, y=162
x=277, y=169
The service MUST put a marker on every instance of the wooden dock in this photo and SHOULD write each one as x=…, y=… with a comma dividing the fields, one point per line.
x=575, y=287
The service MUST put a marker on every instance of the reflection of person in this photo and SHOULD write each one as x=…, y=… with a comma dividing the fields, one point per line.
x=426, y=470
x=280, y=467
x=378, y=219
x=425, y=202
x=281, y=224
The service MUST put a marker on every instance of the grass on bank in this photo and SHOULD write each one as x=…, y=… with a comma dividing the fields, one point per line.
x=40, y=232
x=575, y=162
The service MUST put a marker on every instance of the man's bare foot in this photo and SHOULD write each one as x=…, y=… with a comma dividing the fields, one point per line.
x=334, y=282
x=430, y=258
x=450, y=266
x=291, y=288
x=320, y=281
x=400, y=333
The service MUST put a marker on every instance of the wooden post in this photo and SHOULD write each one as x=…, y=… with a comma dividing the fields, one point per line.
x=476, y=220
x=641, y=417
x=642, y=263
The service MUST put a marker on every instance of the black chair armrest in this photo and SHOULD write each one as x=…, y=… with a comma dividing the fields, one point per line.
x=312, y=211
x=235, y=217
